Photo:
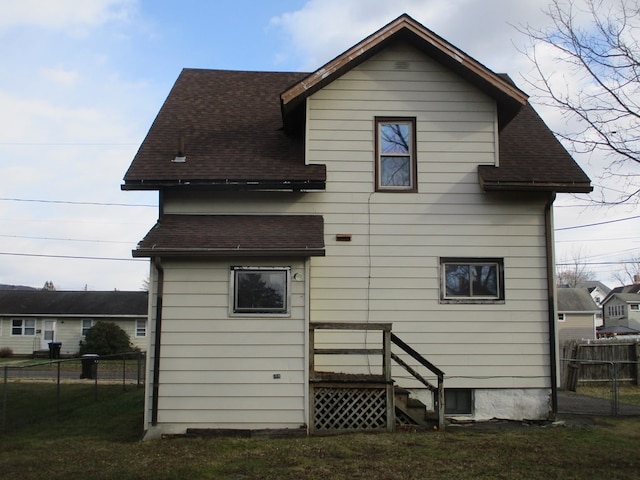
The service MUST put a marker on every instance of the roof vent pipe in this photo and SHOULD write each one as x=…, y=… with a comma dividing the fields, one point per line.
x=180, y=157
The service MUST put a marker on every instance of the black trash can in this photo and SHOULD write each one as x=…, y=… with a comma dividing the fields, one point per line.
x=89, y=365
x=54, y=350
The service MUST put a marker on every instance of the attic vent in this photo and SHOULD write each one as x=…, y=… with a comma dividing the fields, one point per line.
x=402, y=65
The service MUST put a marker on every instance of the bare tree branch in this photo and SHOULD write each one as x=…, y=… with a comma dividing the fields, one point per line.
x=587, y=65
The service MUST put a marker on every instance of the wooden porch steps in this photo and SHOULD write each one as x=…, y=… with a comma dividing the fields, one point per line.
x=411, y=411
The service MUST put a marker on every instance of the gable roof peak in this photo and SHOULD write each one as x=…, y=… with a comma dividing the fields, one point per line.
x=509, y=97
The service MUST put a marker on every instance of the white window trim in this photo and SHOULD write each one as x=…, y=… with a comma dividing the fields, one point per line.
x=93, y=322
x=232, y=293
x=562, y=317
x=144, y=322
x=23, y=327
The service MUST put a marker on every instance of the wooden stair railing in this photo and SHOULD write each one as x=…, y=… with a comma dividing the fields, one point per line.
x=385, y=377
x=382, y=381
x=438, y=391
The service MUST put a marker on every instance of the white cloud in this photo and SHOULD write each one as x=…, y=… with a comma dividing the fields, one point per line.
x=322, y=29
x=60, y=76
x=61, y=14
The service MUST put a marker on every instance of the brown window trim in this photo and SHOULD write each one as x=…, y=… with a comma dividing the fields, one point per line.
x=413, y=156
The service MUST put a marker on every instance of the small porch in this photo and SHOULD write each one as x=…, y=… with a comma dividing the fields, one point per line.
x=341, y=402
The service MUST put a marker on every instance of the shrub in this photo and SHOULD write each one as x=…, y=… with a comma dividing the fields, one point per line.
x=6, y=352
x=106, y=338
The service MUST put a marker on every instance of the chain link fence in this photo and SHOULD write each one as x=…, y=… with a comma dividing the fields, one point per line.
x=36, y=390
x=599, y=388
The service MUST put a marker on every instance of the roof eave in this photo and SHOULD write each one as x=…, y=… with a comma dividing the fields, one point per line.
x=225, y=185
x=228, y=252
x=533, y=186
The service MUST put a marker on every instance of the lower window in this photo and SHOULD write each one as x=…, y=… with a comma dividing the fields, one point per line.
x=458, y=401
x=141, y=328
x=260, y=290
x=86, y=325
x=23, y=327
x=472, y=280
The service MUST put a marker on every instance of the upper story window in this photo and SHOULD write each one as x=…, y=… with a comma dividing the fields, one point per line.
x=260, y=290
x=23, y=327
x=561, y=317
x=634, y=306
x=396, y=163
x=472, y=280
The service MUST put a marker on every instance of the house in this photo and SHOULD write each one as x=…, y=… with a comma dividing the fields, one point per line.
x=621, y=308
x=598, y=292
x=577, y=314
x=31, y=319
x=403, y=186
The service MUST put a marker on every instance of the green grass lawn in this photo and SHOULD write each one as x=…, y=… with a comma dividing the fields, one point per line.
x=627, y=393
x=101, y=441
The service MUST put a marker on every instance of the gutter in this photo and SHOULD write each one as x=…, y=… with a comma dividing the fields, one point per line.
x=157, y=261
x=553, y=357
x=226, y=252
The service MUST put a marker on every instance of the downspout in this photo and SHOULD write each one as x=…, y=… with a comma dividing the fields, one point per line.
x=548, y=224
x=157, y=261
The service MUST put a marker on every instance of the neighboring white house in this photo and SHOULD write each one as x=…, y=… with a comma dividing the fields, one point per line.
x=403, y=182
x=577, y=315
x=31, y=319
x=598, y=291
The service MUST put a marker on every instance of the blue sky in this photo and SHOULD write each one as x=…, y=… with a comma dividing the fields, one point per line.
x=83, y=80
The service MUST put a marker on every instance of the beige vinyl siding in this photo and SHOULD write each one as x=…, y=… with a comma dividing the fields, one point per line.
x=217, y=370
x=389, y=271
x=19, y=344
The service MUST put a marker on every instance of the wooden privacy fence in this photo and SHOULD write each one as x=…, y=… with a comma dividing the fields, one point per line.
x=590, y=361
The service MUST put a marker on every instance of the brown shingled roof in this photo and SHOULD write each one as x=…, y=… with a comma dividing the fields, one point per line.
x=532, y=158
x=231, y=127
x=234, y=235
x=233, y=132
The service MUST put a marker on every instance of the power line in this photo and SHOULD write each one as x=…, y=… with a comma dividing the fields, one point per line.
x=65, y=239
x=63, y=144
x=620, y=262
x=66, y=202
x=596, y=224
x=73, y=257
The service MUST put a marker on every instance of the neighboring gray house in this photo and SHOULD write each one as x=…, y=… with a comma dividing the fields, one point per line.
x=403, y=183
x=622, y=309
x=30, y=319
x=576, y=314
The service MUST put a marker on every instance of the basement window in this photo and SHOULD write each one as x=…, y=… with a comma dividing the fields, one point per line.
x=458, y=401
x=260, y=290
